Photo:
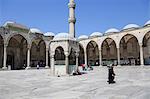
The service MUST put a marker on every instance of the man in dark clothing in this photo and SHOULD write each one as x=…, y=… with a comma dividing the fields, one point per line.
x=111, y=75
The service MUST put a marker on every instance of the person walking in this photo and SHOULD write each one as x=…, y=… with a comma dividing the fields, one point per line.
x=111, y=74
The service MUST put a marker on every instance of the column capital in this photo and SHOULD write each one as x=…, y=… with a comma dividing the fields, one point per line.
x=140, y=44
x=5, y=44
x=77, y=54
x=29, y=46
x=47, y=49
x=118, y=47
x=52, y=55
x=66, y=53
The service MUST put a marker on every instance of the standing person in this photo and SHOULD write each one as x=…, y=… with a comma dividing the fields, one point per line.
x=111, y=74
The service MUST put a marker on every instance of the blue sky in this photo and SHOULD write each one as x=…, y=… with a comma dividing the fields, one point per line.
x=92, y=15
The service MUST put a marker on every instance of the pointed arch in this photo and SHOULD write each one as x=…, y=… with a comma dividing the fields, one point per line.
x=38, y=52
x=109, y=51
x=17, y=51
x=146, y=48
x=59, y=56
x=17, y=33
x=92, y=51
x=129, y=50
x=81, y=55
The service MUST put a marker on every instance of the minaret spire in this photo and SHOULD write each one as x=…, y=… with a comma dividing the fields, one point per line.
x=72, y=19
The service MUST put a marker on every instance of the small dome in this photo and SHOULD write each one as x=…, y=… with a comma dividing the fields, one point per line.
x=147, y=23
x=112, y=30
x=35, y=30
x=49, y=34
x=96, y=34
x=129, y=26
x=8, y=22
x=63, y=36
x=83, y=37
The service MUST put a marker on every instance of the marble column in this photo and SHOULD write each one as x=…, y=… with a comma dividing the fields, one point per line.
x=52, y=65
x=118, y=56
x=47, y=50
x=77, y=63
x=141, y=55
x=28, y=57
x=85, y=57
x=5, y=57
x=67, y=62
x=100, y=57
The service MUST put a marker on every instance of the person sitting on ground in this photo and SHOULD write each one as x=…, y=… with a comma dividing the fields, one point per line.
x=89, y=67
x=83, y=67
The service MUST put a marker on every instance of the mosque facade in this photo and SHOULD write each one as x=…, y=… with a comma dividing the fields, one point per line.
x=24, y=48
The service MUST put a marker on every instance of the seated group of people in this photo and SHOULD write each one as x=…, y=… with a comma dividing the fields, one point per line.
x=84, y=68
x=88, y=67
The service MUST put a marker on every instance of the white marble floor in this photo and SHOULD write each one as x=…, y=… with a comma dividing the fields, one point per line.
x=131, y=83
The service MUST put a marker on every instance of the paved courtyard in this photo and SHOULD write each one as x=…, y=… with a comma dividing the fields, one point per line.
x=132, y=83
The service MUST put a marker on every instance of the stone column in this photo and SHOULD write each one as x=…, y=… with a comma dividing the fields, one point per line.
x=28, y=58
x=77, y=58
x=118, y=56
x=100, y=57
x=85, y=57
x=67, y=62
x=52, y=65
x=47, y=50
x=5, y=57
x=141, y=55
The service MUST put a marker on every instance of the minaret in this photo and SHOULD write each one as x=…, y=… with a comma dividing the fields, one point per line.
x=72, y=19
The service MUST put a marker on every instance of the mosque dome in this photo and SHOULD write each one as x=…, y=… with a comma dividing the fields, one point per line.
x=147, y=23
x=16, y=25
x=130, y=26
x=49, y=34
x=112, y=30
x=35, y=30
x=83, y=37
x=63, y=36
x=8, y=22
x=96, y=34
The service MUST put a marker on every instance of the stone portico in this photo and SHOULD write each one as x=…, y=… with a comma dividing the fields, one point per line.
x=24, y=48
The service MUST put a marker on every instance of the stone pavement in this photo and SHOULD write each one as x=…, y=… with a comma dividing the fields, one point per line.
x=132, y=83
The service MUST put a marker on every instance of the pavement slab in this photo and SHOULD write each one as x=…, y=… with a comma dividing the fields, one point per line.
x=132, y=82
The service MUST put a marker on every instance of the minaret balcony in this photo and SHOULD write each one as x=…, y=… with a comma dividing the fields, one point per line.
x=72, y=20
x=71, y=5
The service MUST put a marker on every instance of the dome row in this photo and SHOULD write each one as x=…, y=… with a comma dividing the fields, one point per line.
x=67, y=36
x=32, y=30
x=114, y=30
